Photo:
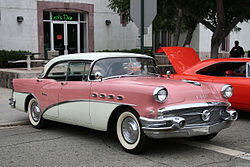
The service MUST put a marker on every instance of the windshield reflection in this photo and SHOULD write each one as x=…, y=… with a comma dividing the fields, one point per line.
x=122, y=67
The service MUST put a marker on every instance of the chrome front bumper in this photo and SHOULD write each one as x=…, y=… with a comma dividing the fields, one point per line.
x=176, y=126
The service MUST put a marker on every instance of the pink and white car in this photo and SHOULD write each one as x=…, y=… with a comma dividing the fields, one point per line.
x=123, y=92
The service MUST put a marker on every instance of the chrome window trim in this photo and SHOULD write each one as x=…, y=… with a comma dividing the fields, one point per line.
x=193, y=105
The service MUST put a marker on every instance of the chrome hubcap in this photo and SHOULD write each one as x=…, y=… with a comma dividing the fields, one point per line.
x=130, y=130
x=35, y=112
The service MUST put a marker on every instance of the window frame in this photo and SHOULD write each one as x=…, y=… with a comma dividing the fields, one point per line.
x=52, y=66
x=68, y=63
x=79, y=61
x=247, y=66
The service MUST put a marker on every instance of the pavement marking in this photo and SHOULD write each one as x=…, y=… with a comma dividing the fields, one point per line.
x=219, y=149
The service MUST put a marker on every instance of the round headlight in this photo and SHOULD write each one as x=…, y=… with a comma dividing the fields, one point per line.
x=227, y=91
x=160, y=94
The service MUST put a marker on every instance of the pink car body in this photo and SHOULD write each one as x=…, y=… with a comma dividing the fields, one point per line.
x=139, y=103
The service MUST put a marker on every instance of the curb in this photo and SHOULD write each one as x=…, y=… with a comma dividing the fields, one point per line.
x=18, y=123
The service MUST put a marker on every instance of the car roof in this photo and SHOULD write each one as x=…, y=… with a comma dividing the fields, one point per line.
x=91, y=56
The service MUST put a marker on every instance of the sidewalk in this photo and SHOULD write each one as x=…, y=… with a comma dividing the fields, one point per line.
x=9, y=116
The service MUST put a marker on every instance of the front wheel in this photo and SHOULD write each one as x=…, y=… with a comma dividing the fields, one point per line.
x=129, y=132
x=35, y=114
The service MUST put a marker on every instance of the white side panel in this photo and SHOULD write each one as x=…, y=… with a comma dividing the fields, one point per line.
x=76, y=113
x=20, y=100
x=51, y=113
x=100, y=113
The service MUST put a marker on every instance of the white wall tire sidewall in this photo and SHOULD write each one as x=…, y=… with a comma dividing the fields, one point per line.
x=29, y=113
x=123, y=142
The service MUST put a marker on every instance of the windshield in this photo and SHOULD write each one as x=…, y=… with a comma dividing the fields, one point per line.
x=113, y=67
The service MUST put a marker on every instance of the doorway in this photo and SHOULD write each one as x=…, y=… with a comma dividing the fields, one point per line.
x=66, y=38
x=65, y=32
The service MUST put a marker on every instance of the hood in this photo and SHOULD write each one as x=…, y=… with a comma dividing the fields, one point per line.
x=180, y=57
x=179, y=90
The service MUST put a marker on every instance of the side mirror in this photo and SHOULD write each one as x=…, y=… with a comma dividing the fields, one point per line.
x=98, y=76
x=168, y=74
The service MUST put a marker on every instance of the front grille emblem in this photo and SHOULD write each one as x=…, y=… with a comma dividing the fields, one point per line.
x=205, y=116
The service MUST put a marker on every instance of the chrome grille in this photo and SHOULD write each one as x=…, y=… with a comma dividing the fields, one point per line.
x=194, y=115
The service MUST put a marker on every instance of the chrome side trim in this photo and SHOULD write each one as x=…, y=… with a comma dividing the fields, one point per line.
x=193, y=105
x=84, y=100
x=110, y=102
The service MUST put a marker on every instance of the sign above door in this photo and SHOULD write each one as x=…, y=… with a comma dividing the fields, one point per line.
x=60, y=16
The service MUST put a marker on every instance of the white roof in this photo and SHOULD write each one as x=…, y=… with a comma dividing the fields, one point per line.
x=91, y=56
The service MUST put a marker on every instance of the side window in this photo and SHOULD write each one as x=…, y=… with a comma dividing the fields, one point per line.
x=100, y=66
x=225, y=69
x=58, y=72
x=78, y=71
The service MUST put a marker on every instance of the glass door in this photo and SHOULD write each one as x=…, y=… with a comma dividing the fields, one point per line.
x=59, y=36
x=65, y=32
x=72, y=38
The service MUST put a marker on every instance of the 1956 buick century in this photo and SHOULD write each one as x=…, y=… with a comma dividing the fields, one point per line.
x=123, y=92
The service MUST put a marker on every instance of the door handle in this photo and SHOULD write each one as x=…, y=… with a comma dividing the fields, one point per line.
x=39, y=80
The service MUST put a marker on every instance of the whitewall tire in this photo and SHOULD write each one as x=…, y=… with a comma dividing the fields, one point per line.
x=129, y=132
x=34, y=114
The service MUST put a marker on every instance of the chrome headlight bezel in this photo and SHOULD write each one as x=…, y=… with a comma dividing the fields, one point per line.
x=160, y=91
x=227, y=91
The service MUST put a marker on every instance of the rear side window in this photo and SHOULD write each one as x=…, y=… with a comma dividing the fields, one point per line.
x=227, y=69
x=58, y=72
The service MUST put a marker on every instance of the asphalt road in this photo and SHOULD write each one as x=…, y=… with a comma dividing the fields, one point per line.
x=66, y=145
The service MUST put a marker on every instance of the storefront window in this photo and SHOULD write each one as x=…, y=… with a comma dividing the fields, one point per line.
x=65, y=32
x=46, y=29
